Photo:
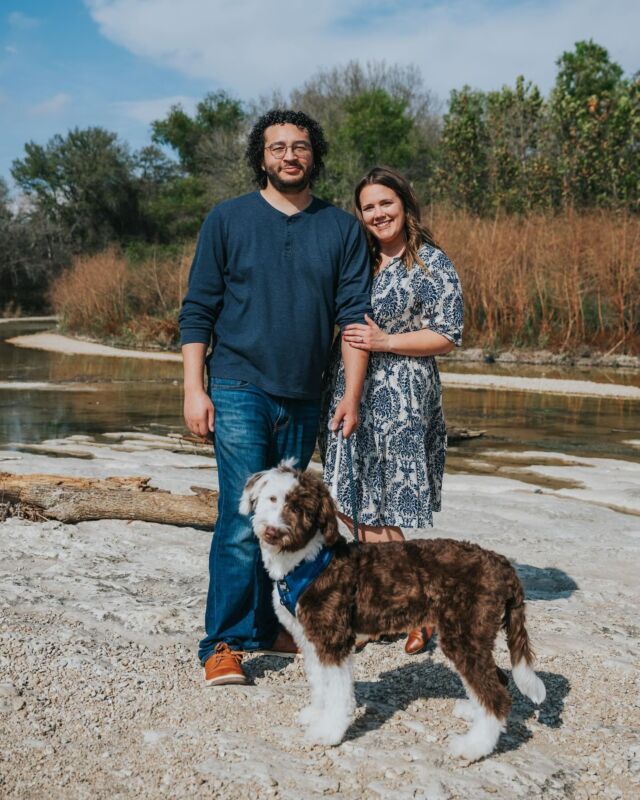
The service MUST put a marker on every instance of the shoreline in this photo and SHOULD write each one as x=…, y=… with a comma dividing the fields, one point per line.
x=64, y=343
x=28, y=319
x=545, y=357
x=58, y=343
x=55, y=342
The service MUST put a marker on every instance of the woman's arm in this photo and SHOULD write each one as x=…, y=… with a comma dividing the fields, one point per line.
x=416, y=343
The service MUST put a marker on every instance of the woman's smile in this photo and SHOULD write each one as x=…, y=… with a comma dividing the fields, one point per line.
x=383, y=215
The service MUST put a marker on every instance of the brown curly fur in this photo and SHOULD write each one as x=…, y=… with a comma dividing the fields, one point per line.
x=466, y=592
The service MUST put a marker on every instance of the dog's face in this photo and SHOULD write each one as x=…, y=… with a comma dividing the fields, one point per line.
x=289, y=507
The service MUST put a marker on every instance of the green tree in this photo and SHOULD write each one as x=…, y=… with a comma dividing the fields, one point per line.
x=216, y=112
x=32, y=252
x=591, y=110
x=172, y=205
x=377, y=114
x=628, y=160
x=520, y=173
x=378, y=128
x=84, y=184
x=464, y=169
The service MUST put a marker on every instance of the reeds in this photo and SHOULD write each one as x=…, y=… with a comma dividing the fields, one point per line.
x=559, y=281
x=107, y=297
x=544, y=281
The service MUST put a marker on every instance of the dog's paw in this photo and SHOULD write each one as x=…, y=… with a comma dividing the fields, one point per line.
x=479, y=741
x=460, y=746
x=464, y=709
x=309, y=715
x=319, y=732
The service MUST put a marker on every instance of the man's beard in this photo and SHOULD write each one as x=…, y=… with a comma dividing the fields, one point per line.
x=289, y=187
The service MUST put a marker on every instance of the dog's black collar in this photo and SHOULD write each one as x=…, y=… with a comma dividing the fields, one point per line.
x=295, y=582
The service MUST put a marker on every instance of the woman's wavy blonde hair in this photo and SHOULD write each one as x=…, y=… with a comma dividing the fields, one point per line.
x=415, y=232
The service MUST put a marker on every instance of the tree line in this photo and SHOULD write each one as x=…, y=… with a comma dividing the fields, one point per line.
x=509, y=151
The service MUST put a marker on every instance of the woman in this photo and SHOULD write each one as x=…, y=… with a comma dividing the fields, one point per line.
x=399, y=447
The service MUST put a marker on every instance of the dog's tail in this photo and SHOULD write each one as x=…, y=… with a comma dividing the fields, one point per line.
x=522, y=656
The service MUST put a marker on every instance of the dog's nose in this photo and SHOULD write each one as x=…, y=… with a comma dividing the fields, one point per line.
x=270, y=533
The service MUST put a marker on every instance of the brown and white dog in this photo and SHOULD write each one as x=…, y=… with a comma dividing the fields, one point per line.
x=466, y=592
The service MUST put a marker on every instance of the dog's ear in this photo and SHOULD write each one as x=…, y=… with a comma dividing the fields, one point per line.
x=327, y=517
x=250, y=494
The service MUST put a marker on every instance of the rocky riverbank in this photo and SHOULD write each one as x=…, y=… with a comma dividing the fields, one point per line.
x=101, y=694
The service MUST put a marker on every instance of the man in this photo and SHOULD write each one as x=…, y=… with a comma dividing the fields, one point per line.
x=273, y=272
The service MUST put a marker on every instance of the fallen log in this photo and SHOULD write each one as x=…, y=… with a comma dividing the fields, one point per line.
x=72, y=500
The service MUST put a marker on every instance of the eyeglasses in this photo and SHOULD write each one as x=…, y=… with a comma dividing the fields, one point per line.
x=300, y=149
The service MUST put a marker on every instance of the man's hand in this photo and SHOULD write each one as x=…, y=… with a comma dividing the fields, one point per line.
x=347, y=413
x=199, y=413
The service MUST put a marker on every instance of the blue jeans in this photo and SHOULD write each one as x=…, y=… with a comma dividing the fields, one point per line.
x=253, y=431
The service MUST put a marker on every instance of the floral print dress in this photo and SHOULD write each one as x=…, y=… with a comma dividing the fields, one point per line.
x=400, y=445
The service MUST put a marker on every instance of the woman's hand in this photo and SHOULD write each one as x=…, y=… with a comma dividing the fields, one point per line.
x=367, y=337
x=347, y=413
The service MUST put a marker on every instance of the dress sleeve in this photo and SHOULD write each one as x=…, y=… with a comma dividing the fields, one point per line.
x=440, y=295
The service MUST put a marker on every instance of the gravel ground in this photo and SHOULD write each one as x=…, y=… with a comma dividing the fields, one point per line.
x=101, y=694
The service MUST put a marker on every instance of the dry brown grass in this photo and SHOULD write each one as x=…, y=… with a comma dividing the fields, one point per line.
x=134, y=304
x=91, y=297
x=561, y=282
x=547, y=281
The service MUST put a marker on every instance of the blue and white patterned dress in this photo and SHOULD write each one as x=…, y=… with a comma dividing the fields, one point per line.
x=400, y=445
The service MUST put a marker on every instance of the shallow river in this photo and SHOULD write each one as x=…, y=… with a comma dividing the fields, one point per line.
x=94, y=395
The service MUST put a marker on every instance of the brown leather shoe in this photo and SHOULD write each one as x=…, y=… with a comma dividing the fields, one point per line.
x=224, y=666
x=417, y=640
x=283, y=646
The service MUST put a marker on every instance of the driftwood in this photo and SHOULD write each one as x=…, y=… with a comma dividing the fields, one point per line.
x=69, y=499
x=460, y=434
x=78, y=499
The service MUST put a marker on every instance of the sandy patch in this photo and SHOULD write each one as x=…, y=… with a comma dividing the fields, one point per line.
x=542, y=385
x=57, y=343
x=101, y=694
x=27, y=319
x=43, y=386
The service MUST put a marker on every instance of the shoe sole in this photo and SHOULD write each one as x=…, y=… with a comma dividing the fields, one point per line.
x=278, y=653
x=224, y=680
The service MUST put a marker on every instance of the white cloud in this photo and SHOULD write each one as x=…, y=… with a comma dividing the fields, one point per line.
x=9, y=48
x=146, y=111
x=252, y=48
x=53, y=105
x=21, y=21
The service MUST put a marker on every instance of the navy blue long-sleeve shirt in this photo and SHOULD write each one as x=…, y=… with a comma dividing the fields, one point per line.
x=267, y=290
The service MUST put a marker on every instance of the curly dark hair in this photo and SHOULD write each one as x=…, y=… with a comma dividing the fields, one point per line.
x=282, y=116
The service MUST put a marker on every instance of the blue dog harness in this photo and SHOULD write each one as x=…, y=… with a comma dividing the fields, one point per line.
x=295, y=582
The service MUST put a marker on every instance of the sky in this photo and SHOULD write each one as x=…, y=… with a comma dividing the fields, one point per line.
x=120, y=64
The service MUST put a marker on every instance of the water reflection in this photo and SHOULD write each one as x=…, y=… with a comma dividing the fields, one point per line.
x=593, y=426
x=130, y=393
x=134, y=394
